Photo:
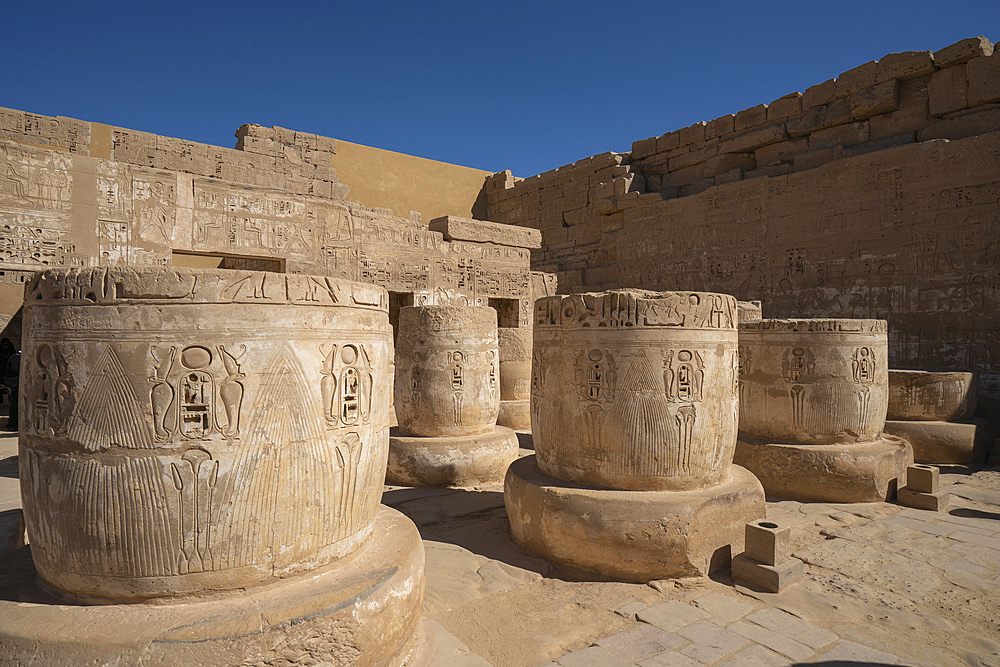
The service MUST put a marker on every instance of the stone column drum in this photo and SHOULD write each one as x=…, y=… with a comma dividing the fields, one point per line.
x=813, y=399
x=515, y=378
x=934, y=411
x=447, y=397
x=634, y=406
x=190, y=432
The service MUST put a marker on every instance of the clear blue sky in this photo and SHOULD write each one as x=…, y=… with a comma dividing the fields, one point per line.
x=527, y=86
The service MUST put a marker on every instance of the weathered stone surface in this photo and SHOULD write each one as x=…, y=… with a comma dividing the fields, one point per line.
x=360, y=611
x=767, y=542
x=166, y=433
x=936, y=501
x=947, y=91
x=813, y=381
x=931, y=395
x=962, y=51
x=945, y=442
x=455, y=461
x=841, y=473
x=634, y=389
x=515, y=414
x=747, y=311
x=635, y=535
x=767, y=577
x=923, y=478
x=984, y=80
x=480, y=231
x=447, y=371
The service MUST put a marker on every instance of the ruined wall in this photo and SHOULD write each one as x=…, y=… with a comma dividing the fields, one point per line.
x=875, y=194
x=405, y=183
x=273, y=203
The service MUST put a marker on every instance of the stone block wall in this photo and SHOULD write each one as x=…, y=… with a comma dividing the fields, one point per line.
x=78, y=194
x=874, y=194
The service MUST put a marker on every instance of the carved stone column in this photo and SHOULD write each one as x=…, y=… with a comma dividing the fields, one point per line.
x=515, y=378
x=634, y=406
x=447, y=391
x=190, y=432
x=813, y=401
x=935, y=413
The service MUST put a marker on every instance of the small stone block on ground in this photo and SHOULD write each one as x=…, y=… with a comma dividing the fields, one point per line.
x=770, y=578
x=767, y=542
x=670, y=659
x=935, y=502
x=923, y=478
x=672, y=615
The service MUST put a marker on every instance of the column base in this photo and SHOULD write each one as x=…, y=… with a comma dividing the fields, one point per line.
x=363, y=609
x=515, y=415
x=945, y=442
x=865, y=472
x=456, y=461
x=631, y=535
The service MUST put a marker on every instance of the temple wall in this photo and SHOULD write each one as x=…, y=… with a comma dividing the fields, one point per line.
x=82, y=194
x=875, y=194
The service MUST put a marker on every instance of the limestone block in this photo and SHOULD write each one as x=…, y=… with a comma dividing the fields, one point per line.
x=634, y=535
x=923, y=478
x=821, y=93
x=962, y=51
x=861, y=472
x=769, y=578
x=634, y=389
x=480, y=231
x=447, y=370
x=984, y=80
x=751, y=117
x=166, y=435
x=947, y=90
x=454, y=461
x=945, y=442
x=932, y=396
x=813, y=381
x=784, y=107
x=767, y=542
x=837, y=112
x=905, y=65
x=857, y=78
x=720, y=126
x=877, y=99
x=692, y=134
x=753, y=138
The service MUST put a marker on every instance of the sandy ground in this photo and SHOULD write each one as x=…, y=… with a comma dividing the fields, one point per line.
x=921, y=586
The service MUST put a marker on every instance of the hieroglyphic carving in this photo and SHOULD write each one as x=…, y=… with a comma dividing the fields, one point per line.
x=596, y=375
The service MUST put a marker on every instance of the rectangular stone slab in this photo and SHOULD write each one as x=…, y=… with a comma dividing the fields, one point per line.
x=481, y=231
